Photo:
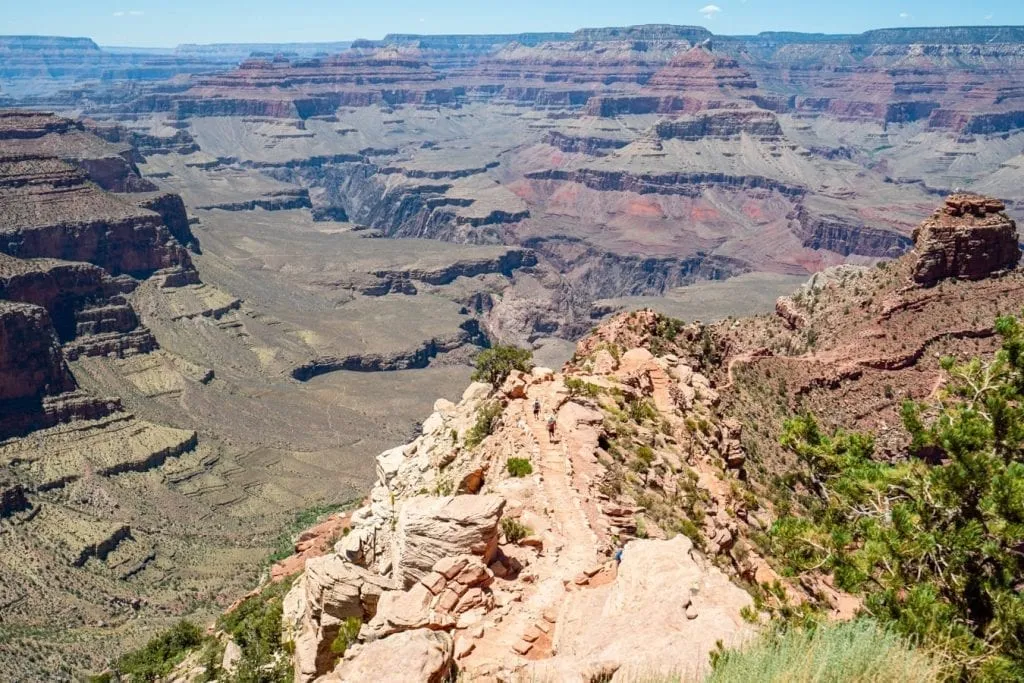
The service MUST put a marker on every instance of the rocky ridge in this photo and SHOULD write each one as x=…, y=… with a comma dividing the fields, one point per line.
x=441, y=576
x=854, y=343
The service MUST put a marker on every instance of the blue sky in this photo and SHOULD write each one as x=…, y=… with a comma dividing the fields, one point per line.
x=159, y=23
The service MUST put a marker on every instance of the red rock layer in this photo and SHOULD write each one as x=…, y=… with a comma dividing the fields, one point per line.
x=969, y=237
x=309, y=87
x=66, y=249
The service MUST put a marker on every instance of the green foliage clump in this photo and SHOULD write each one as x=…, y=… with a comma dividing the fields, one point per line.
x=284, y=546
x=933, y=543
x=519, y=467
x=495, y=364
x=641, y=409
x=711, y=354
x=347, y=635
x=486, y=417
x=857, y=651
x=161, y=653
x=578, y=387
x=255, y=625
x=644, y=459
x=666, y=329
x=514, y=530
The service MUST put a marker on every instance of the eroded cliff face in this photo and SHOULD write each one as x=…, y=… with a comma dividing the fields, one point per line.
x=71, y=255
x=53, y=209
x=666, y=153
x=66, y=248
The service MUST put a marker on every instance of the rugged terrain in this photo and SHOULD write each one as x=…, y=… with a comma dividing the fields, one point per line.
x=230, y=275
x=149, y=416
x=487, y=543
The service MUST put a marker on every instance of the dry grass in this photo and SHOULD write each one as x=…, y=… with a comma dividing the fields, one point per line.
x=855, y=652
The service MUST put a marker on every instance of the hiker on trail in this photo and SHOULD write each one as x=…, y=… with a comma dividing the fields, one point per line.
x=551, y=426
x=536, y=408
x=620, y=545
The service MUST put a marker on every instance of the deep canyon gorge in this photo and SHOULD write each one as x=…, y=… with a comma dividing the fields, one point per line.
x=232, y=275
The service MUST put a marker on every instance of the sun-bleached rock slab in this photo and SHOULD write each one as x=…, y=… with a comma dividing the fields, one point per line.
x=664, y=613
x=331, y=591
x=419, y=656
x=431, y=528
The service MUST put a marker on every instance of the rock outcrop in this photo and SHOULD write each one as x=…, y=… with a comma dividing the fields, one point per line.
x=686, y=606
x=330, y=591
x=50, y=206
x=430, y=529
x=969, y=237
x=31, y=364
x=512, y=575
x=419, y=656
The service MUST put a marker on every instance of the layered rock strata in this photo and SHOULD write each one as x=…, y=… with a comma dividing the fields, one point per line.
x=969, y=237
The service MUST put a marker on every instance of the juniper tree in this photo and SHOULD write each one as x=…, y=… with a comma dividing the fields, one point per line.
x=935, y=543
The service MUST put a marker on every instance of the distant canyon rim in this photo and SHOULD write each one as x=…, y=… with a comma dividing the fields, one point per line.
x=232, y=274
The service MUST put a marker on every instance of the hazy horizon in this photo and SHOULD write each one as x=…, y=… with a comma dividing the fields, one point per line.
x=165, y=24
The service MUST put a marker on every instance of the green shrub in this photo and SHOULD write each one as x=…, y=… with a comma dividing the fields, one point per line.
x=641, y=528
x=495, y=364
x=933, y=548
x=854, y=652
x=347, y=635
x=641, y=409
x=514, y=530
x=161, y=653
x=687, y=528
x=255, y=625
x=486, y=417
x=578, y=387
x=519, y=467
x=668, y=328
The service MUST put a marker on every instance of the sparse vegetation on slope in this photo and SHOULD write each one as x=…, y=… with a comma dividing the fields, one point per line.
x=933, y=542
x=255, y=625
x=484, y=425
x=161, y=653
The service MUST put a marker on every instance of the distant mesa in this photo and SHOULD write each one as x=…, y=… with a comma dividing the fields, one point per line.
x=969, y=237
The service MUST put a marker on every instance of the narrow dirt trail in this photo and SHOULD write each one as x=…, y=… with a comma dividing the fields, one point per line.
x=570, y=547
x=566, y=509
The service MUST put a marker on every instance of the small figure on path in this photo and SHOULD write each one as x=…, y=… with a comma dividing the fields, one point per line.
x=551, y=426
x=536, y=408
